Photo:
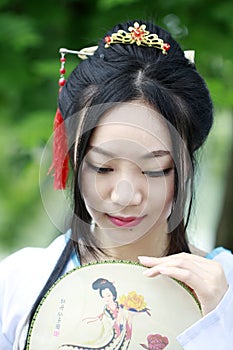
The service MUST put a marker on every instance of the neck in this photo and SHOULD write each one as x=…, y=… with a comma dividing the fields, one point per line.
x=154, y=243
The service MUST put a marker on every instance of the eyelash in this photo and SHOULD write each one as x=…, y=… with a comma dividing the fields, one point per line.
x=99, y=170
x=159, y=173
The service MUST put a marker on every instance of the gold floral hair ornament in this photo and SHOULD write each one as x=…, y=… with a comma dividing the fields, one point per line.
x=138, y=35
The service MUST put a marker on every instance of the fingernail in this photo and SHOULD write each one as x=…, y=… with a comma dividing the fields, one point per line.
x=147, y=273
x=144, y=259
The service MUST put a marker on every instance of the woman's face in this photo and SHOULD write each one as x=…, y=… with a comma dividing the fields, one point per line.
x=107, y=295
x=128, y=173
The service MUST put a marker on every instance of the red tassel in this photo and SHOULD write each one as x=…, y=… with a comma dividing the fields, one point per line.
x=60, y=163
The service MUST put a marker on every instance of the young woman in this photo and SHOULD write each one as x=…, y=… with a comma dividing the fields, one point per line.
x=114, y=325
x=136, y=111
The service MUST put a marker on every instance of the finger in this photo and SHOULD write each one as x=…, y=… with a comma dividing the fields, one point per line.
x=148, y=260
x=183, y=260
x=187, y=271
x=193, y=270
x=173, y=272
x=177, y=259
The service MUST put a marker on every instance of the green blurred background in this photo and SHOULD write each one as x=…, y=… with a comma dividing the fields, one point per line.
x=31, y=33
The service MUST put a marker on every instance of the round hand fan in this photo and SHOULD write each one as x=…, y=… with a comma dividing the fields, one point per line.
x=113, y=306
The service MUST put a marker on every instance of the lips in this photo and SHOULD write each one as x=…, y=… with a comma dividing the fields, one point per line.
x=129, y=221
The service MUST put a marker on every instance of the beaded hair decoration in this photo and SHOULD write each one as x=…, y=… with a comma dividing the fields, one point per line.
x=138, y=35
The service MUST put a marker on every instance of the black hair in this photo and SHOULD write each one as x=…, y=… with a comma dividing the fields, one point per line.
x=168, y=83
x=101, y=284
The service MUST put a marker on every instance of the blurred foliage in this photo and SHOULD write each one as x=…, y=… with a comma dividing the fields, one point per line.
x=31, y=33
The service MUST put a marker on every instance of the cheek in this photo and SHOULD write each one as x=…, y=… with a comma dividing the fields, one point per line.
x=161, y=192
x=88, y=185
x=169, y=188
x=89, y=195
x=93, y=188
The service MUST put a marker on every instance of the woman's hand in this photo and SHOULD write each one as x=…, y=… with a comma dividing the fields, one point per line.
x=93, y=319
x=205, y=276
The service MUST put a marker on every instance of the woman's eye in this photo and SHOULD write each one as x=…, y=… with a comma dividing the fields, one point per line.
x=158, y=173
x=103, y=170
x=99, y=170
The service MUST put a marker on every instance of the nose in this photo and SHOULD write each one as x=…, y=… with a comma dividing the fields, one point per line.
x=126, y=193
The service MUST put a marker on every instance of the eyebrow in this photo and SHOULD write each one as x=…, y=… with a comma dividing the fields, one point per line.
x=158, y=153
x=152, y=154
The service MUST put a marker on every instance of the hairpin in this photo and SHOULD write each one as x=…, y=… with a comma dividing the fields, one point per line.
x=139, y=35
x=89, y=51
x=83, y=53
x=190, y=55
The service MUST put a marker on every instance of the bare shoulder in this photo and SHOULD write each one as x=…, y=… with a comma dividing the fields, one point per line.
x=197, y=251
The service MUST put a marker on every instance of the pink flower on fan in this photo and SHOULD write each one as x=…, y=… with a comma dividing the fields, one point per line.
x=155, y=342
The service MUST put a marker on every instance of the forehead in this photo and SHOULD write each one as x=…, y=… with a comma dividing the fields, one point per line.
x=132, y=123
x=106, y=291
